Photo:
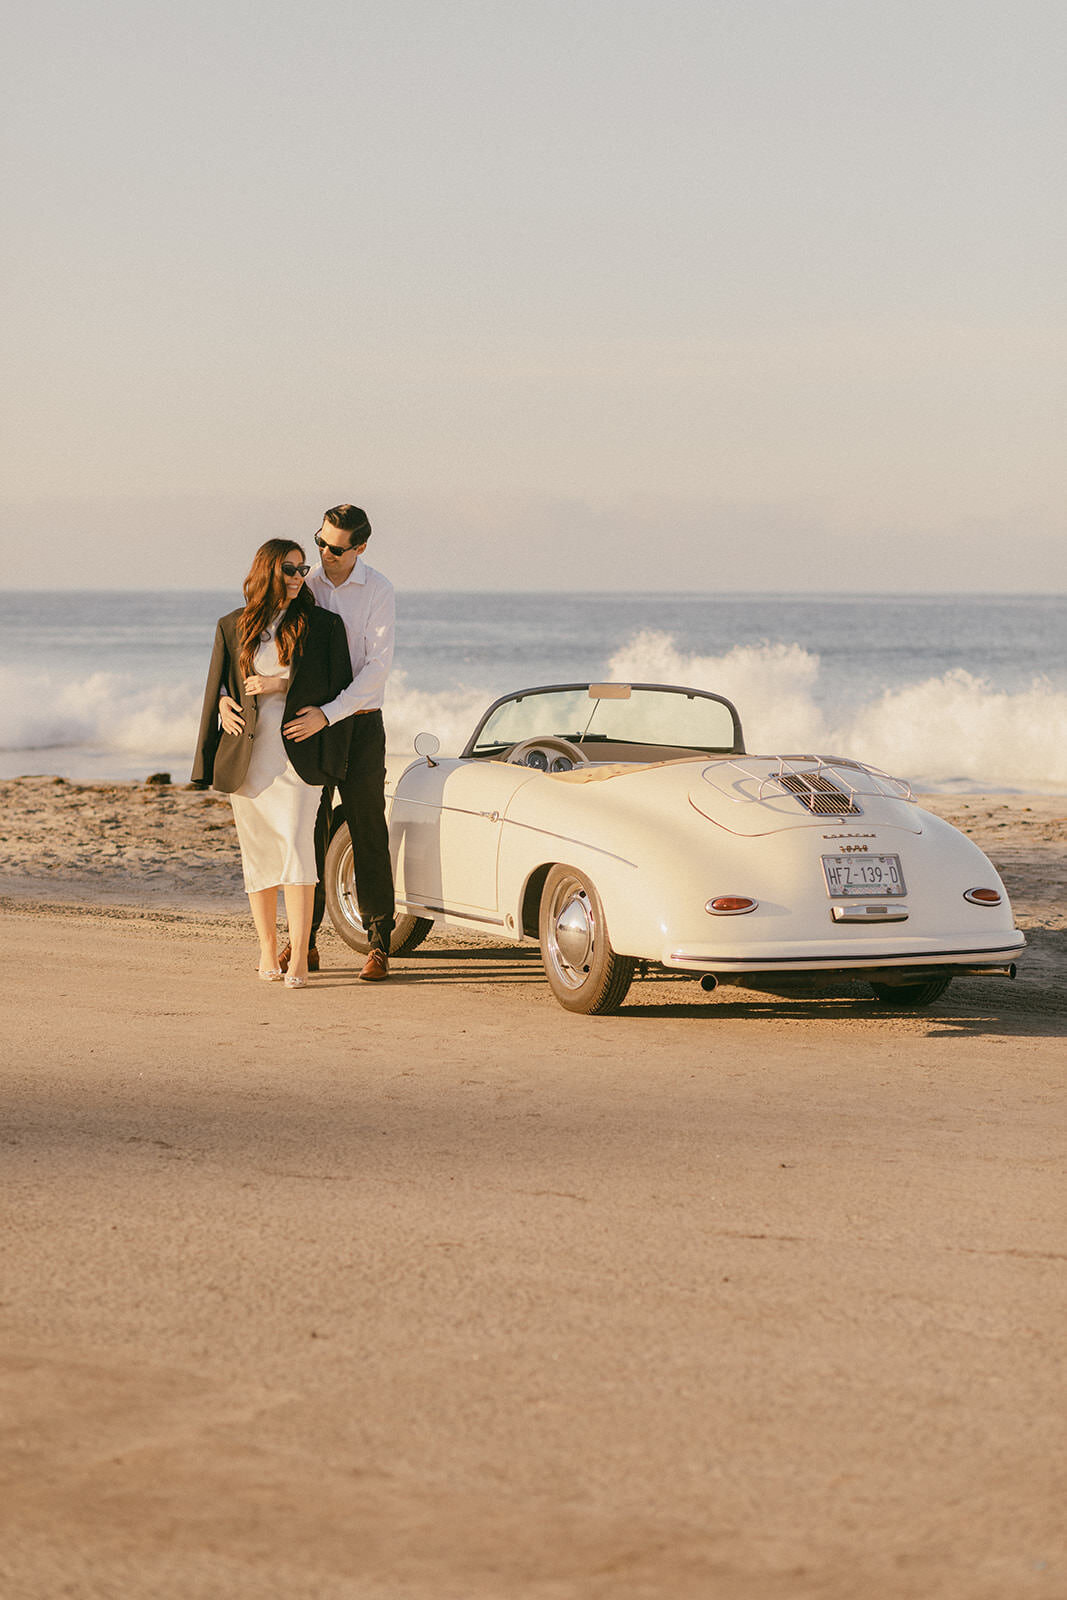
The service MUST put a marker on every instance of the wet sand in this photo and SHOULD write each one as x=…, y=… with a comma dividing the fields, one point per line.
x=430, y=1290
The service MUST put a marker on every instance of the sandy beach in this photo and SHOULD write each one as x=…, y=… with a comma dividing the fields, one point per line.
x=432, y=1291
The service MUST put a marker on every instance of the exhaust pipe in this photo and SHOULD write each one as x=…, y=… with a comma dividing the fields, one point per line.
x=709, y=982
x=985, y=972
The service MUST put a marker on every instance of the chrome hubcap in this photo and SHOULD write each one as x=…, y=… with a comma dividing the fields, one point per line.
x=346, y=890
x=572, y=934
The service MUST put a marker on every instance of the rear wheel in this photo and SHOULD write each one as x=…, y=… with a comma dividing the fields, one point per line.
x=339, y=884
x=583, y=971
x=912, y=996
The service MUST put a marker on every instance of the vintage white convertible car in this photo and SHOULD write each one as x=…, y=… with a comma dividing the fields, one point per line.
x=624, y=826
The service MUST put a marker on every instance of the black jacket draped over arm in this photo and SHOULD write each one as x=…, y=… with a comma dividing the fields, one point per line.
x=317, y=673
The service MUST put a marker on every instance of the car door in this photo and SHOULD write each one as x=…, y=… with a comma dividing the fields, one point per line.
x=445, y=831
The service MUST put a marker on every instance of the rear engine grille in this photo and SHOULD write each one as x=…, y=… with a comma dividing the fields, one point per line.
x=822, y=798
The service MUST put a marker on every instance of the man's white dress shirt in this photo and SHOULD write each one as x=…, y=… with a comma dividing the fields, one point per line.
x=366, y=605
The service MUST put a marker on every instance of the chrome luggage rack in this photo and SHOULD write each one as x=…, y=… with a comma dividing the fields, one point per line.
x=821, y=783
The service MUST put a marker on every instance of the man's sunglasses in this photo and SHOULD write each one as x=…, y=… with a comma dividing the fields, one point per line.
x=334, y=549
x=291, y=569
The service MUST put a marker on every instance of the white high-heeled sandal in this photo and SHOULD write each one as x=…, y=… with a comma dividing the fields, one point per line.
x=293, y=982
x=272, y=975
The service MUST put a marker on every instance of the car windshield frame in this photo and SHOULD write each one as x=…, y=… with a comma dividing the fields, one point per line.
x=471, y=748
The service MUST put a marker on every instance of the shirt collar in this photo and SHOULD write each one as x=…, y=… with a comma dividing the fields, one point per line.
x=357, y=575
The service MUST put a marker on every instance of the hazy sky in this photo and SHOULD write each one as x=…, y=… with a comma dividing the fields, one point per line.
x=568, y=293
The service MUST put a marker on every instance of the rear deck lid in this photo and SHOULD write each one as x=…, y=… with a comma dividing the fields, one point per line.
x=753, y=795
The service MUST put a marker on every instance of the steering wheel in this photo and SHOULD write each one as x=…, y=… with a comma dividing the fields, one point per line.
x=549, y=744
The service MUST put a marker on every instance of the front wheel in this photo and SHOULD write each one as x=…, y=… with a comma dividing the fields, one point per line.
x=583, y=971
x=339, y=884
x=910, y=996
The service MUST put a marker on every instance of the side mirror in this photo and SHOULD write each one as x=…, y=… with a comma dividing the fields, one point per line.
x=427, y=744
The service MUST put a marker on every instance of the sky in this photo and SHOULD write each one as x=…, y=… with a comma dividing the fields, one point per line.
x=568, y=294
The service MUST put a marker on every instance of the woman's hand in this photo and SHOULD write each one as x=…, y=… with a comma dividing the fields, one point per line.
x=230, y=715
x=260, y=685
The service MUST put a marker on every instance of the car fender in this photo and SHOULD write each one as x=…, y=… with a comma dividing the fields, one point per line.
x=635, y=842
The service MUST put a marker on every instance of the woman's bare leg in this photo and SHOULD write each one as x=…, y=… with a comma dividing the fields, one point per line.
x=264, y=903
x=299, y=903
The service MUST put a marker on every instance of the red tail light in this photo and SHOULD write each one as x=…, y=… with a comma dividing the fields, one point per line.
x=982, y=897
x=731, y=905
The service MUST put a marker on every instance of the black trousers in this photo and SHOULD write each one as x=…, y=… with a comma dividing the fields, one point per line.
x=362, y=795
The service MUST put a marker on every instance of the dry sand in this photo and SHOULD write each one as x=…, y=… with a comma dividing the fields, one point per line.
x=432, y=1291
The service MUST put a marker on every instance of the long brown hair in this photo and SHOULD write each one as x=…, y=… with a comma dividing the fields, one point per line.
x=264, y=598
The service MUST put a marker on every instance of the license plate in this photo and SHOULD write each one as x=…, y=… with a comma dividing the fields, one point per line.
x=857, y=875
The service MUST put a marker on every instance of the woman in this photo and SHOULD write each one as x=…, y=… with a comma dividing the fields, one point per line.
x=277, y=655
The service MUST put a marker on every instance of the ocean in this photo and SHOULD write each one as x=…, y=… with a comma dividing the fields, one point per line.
x=964, y=692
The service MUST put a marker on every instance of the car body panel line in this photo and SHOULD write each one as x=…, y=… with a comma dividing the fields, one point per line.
x=583, y=844
x=415, y=907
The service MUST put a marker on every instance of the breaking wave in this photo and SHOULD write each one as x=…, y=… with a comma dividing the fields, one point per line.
x=948, y=731
x=106, y=711
x=952, y=731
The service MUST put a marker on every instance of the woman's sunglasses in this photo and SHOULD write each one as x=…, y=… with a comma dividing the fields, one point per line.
x=291, y=569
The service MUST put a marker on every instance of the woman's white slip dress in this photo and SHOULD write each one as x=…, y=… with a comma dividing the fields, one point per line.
x=274, y=808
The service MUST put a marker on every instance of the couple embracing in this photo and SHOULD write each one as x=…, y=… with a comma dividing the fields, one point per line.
x=292, y=711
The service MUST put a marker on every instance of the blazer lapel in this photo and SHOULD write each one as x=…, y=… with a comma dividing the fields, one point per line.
x=297, y=674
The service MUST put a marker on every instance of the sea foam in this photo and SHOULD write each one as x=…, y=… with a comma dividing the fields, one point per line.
x=955, y=730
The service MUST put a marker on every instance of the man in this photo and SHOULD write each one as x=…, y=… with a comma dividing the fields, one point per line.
x=364, y=601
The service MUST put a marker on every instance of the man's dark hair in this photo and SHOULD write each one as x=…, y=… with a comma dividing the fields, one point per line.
x=352, y=520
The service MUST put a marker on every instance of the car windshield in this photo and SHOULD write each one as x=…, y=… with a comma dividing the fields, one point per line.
x=626, y=714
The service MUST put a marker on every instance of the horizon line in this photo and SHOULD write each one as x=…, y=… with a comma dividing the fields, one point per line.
x=646, y=593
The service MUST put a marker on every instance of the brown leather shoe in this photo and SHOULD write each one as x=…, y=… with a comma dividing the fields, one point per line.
x=376, y=967
x=313, y=958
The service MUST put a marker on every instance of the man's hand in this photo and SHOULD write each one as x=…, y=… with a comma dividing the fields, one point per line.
x=306, y=724
x=230, y=715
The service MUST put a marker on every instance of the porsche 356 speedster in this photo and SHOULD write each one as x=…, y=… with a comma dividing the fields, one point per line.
x=624, y=827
